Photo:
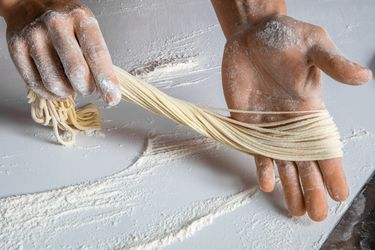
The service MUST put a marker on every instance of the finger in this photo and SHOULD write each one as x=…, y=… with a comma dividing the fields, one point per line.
x=314, y=191
x=27, y=69
x=98, y=58
x=66, y=45
x=326, y=56
x=48, y=64
x=265, y=172
x=292, y=189
x=334, y=178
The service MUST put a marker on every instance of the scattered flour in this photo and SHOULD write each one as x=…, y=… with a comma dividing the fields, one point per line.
x=340, y=208
x=87, y=215
x=172, y=72
x=278, y=35
x=204, y=213
x=319, y=242
x=357, y=134
x=94, y=133
x=174, y=60
x=4, y=172
x=163, y=71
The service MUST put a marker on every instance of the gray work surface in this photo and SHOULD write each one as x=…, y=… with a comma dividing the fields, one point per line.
x=185, y=36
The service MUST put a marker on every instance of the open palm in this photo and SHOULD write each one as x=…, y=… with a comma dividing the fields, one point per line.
x=276, y=66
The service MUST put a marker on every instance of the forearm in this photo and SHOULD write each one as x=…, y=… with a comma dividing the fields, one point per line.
x=231, y=15
x=6, y=6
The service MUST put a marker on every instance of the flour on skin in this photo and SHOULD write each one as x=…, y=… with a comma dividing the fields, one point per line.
x=278, y=35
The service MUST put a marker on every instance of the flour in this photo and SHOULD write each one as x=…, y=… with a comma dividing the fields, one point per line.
x=357, y=134
x=278, y=35
x=4, y=171
x=173, y=61
x=162, y=72
x=261, y=225
x=7, y=156
x=341, y=206
x=94, y=133
x=172, y=72
x=35, y=221
x=319, y=242
x=203, y=213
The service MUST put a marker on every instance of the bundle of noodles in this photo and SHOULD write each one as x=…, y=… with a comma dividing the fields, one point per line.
x=63, y=116
x=311, y=135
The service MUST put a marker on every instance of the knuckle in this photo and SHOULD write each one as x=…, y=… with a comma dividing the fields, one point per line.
x=32, y=84
x=54, y=20
x=34, y=33
x=15, y=43
x=87, y=21
x=97, y=51
x=74, y=70
x=82, y=12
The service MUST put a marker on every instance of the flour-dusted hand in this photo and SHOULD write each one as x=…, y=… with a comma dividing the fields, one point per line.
x=58, y=48
x=273, y=62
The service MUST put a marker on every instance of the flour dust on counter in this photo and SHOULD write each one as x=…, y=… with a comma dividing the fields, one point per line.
x=120, y=211
x=106, y=213
x=174, y=188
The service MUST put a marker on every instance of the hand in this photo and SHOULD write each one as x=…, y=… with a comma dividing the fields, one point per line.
x=275, y=66
x=58, y=48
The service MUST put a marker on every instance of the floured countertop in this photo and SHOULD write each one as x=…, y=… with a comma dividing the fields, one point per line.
x=144, y=182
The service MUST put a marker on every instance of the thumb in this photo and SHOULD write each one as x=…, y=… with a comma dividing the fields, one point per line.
x=326, y=56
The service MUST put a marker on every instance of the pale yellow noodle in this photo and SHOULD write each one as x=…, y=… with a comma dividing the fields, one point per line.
x=63, y=116
x=312, y=135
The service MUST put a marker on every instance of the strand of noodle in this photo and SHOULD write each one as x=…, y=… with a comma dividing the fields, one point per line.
x=63, y=117
x=310, y=135
x=322, y=142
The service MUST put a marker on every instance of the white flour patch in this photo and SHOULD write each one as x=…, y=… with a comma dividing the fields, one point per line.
x=172, y=72
x=88, y=215
x=162, y=73
x=190, y=220
x=278, y=35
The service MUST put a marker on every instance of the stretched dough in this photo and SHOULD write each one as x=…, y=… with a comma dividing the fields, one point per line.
x=312, y=135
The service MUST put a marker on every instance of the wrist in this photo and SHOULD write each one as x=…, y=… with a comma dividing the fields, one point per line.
x=235, y=16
